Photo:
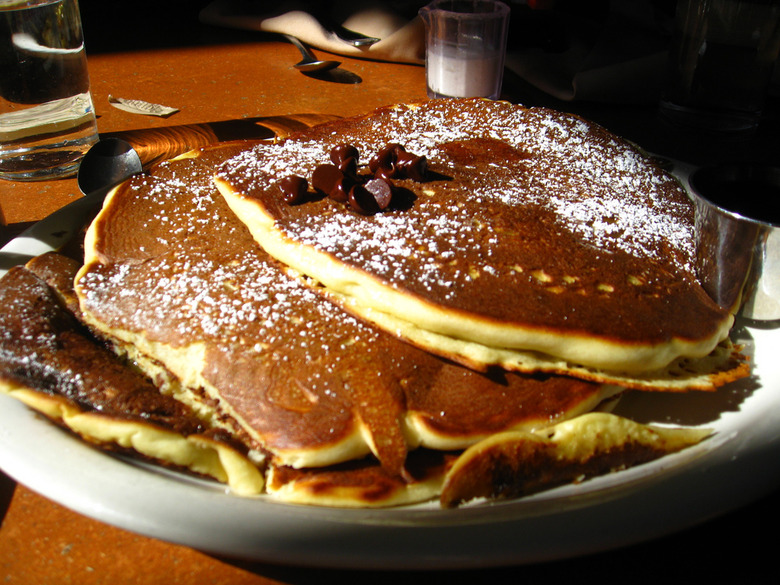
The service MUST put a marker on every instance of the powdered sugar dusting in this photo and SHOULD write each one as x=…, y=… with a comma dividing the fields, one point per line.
x=193, y=297
x=189, y=289
x=433, y=243
x=568, y=172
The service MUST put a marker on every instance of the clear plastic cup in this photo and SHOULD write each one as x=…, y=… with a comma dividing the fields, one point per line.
x=465, y=47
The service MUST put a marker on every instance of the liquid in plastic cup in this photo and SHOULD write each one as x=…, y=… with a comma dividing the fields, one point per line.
x=465, y=47
x=47, y=118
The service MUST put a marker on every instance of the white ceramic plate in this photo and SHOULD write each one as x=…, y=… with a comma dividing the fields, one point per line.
x=737, y=465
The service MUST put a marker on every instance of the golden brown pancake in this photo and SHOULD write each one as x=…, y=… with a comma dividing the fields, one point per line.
x=49, y=361
x=177, y=282
x=535, y=241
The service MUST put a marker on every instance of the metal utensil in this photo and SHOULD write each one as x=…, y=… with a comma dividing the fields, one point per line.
x=109, y=162
x=342, y=33
x=738, y=237
x=310, y=62
x=353, y=38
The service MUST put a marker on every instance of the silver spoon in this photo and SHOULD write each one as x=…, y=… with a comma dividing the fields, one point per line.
x=109, y=162
x=309, y=61
x=343, y=34
x=353, y=38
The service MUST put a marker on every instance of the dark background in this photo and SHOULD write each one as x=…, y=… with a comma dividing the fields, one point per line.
x=145, y=24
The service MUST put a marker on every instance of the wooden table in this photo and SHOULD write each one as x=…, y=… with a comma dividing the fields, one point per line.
x=42, y=542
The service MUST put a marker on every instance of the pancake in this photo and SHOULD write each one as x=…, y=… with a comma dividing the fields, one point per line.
x=516, y=464
x=50, y=362
x=531, y=240
x=178, y=284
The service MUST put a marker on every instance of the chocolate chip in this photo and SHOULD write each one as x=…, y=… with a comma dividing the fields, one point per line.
x=412, y=166
x=381, y=190
x=385, y=157
x=362, y=200
x=348, y=166
x=386, y=173
x=293, y=188
x=371, y=197
x=342, y=152
x=340, y=191
x=325, y=178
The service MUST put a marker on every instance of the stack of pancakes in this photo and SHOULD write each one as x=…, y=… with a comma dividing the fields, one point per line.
x=449, y=319
x=537, y=241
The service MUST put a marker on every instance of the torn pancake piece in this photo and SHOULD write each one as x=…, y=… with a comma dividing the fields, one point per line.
x=531, y=231
x=515, y=464
x=50, y=362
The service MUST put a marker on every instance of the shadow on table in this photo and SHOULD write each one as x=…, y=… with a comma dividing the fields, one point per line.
x=337, y=75
x=142, y=25
x=728, y=549
x=9, y=232
x=7, y=487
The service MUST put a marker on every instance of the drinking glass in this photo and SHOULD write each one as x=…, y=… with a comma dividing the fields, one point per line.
x=47, y=119
x=465, y=47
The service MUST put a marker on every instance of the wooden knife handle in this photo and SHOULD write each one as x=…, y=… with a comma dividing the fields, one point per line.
x=155, y=145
